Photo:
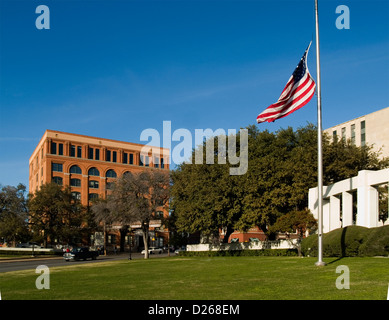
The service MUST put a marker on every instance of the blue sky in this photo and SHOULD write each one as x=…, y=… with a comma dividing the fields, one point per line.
x=112, y=69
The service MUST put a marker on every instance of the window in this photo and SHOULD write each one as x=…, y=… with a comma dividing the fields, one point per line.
x=56, y=167
x=363, y=133
x=75, y=169
x=93, y=196
x=53, y=148
x=147, y=160
x=159, y=215
x=58, y=180
x=344, y=134
x=111, y=174
x=131, y=158
x=72, y=151
x=76, y=195
x=108, y=155
x=97, y=154
x=109, y=185
x=90, y=153
x=353, y=134
x=93, y=184
x=75, y=182
x=125, y=157
x=112, y=239
x=60, y=149
x=334, y=136
x=162, y=163
x=156, y=162
x=114, y=154
x=141, y=160
x=94, y=172
x=79, y=152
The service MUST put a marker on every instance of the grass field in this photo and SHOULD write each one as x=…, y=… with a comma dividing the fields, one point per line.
x=217, y=278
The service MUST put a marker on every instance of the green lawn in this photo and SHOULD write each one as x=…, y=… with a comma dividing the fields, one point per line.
x=216, y=278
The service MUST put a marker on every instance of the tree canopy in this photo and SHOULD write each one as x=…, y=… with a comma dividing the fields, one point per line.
x=13, y=213
x=135, y=199
x=282, y=166
x=54, y=214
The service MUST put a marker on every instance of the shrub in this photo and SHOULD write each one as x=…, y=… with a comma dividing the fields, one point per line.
x=350, y=241
x=377, y=242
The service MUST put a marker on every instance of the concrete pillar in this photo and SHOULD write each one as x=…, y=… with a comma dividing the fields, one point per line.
x=367, y=215
x=373, y=207
x=326, y=216
x=312, y=202
x=387, y=220
x=334, y=213
x=347, y=209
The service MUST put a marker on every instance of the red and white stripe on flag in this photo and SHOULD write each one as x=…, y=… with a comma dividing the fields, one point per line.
x=297, y=93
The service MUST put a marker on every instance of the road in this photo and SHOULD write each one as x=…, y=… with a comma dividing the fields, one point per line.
x=32, y=263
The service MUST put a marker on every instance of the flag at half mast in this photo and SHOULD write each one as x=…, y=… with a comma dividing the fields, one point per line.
x=296, y=94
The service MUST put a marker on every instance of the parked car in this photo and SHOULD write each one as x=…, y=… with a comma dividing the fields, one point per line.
x=152, y=250
x=82, y=253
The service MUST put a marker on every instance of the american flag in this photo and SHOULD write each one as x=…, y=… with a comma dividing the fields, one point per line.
x=296, y=94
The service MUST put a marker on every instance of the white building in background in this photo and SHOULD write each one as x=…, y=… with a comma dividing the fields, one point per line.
x=338, y=210
x=339, y=198
x=371, y=129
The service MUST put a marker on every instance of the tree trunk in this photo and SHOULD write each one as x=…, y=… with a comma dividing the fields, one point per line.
x=229, y=231
x=123, y=232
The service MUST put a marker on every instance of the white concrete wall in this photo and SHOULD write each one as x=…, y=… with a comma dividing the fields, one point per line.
x=365, y=184
x=278, y=244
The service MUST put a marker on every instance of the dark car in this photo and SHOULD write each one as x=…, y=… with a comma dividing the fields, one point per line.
x=82, y=253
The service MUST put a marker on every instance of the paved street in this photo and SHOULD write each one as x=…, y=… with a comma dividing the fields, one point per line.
x=32, y=263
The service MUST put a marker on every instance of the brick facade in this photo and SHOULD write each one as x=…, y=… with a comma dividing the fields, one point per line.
x=88, y=164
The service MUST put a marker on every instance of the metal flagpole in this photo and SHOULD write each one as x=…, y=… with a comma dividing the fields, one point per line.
x=320, y=261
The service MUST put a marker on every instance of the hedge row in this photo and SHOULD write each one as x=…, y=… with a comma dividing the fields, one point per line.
x=352, y=241
x=234, y=253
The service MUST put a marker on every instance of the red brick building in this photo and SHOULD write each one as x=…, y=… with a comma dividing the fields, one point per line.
x=89, y=165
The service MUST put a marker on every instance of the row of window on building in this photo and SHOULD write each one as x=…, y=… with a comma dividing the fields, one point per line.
x=353, y=134
x=110, y=155
x=58, y=167
x=74, y=182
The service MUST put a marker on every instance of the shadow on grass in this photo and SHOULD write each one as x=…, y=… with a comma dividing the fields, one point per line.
x=336, y=260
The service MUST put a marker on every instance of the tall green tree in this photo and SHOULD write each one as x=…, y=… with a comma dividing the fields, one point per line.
x=13, y=214
x=205, y=197
x=282, y=166
x=54, y=214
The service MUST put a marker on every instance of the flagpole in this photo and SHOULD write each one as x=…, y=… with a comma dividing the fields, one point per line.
x=319, y=147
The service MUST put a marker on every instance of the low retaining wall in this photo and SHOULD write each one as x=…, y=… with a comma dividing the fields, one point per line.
x=277, y=244
x=21, y=251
